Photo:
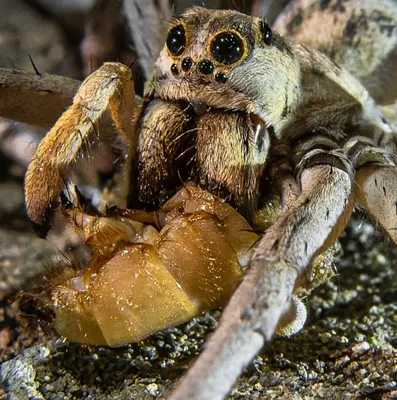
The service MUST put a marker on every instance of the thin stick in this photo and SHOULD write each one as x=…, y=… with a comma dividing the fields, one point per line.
x=35, y=99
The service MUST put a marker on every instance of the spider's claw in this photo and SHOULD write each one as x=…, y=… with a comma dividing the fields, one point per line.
x=84, y=203
x=65, y=202
x=80, y=199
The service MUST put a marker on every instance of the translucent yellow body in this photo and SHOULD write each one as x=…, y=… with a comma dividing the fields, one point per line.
x=155, y=279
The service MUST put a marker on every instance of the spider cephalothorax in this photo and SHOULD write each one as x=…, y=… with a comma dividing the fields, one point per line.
x=199, y=82
x=280, y=132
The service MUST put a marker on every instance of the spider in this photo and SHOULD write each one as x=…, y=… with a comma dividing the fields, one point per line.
x=285, y=136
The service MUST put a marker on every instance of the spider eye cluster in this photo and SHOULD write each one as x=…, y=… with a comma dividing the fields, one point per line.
x=224, y=49
x=227, y=48
x=176, y=40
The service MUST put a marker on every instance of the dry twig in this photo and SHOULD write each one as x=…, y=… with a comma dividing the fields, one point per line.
x=37, y=99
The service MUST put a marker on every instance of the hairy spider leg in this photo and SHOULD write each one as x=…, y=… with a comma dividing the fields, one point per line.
x=376, y=180
x=311, y=224
x=111, y=89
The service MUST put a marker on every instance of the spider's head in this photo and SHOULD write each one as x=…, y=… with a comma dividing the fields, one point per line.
x=227, y=60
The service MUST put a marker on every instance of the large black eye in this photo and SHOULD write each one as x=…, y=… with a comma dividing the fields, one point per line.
x=176, y=40
x=227, y=48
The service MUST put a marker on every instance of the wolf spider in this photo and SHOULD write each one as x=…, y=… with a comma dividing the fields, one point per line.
x=232, y=111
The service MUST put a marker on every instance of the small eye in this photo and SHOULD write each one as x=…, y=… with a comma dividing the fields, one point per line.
x=266, y=33
x=221, y=77
x=174, y=70
x=227, y=48
x=176, y=40
x=187, y=64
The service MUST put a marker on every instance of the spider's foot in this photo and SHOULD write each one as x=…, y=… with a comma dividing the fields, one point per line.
x=293, y=319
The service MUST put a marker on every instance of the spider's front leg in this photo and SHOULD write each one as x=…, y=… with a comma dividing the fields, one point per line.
x=106, y=98
x=306, y=228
